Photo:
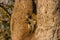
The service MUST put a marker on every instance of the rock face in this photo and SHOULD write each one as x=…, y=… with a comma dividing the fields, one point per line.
x=47, y=20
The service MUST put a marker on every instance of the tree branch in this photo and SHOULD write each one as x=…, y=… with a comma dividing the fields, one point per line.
x=5, y=9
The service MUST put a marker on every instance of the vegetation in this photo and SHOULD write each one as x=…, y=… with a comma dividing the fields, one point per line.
x=5, y=13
